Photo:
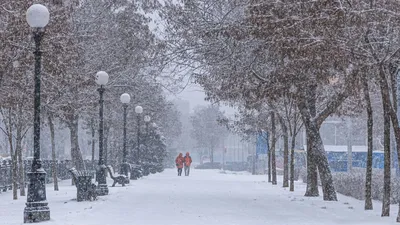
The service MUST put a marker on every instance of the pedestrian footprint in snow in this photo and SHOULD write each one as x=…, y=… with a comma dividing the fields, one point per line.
x=179, y=163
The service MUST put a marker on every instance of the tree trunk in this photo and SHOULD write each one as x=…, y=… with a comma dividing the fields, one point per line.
x=76, y=155
x=114, y=154
x=395, y=121
x=317, y=152
x=386, y=136
x=13, y=156
x=368, y=178
x=253, y=164
x=312, y=172
x=212, y=155
x=396, y=125
x=18, y=150
x=14, y=171
x=93, y=140
x=386, y=172
x=328, y=189
x=292, y=160
x=269, y=165
x=285, y=153
x=53, y=153
x=273, y=157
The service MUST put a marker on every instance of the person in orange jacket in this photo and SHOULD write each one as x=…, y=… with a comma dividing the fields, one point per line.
x=188, y=161
x=179, y=163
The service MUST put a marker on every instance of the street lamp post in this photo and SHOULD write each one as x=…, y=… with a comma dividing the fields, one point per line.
x=138, y=110
x=125, y=99
x=147, y=120
x=37, y=209
x=101, y=79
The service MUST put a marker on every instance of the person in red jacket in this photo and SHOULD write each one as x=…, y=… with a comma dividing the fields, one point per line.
x=179, y=163
x=188, y=161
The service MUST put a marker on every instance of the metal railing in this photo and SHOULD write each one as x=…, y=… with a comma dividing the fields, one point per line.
x=62, y=170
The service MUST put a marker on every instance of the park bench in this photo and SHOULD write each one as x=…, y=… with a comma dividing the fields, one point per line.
x=117, y=178
x=86, y=190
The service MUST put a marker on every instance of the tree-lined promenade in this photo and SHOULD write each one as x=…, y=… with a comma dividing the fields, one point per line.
x=284, y=66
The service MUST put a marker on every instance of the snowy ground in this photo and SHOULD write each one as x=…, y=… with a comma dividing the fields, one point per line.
x=204, y=198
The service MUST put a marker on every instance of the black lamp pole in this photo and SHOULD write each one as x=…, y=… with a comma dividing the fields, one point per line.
x=101, y=172
x=124, y=166
x=147, y=137
x=138, y=138
x=37, y=209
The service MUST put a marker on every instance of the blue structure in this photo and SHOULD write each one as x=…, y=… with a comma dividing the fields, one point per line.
x=338, y=160
x=262, y=143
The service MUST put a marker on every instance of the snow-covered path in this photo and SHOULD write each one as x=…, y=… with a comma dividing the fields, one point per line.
x=204, y=198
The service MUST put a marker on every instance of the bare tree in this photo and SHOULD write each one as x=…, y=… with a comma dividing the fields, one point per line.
x=368, y=179
x=53, y=152
x=206, y=129
x=273, y=150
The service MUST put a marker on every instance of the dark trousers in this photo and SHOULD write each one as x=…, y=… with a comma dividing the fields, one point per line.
x=187, y=170
x=179, y=171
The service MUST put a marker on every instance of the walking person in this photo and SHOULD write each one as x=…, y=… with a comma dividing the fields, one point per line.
x=188, y=161
x=179, y=163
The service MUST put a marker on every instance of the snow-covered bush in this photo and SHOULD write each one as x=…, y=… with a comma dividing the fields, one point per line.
x=353, y=184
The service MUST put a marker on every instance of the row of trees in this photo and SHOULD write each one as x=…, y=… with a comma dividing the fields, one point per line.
x=83, y=37
x=294, y=63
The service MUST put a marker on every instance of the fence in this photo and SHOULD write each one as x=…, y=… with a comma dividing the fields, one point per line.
x=62, y=170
